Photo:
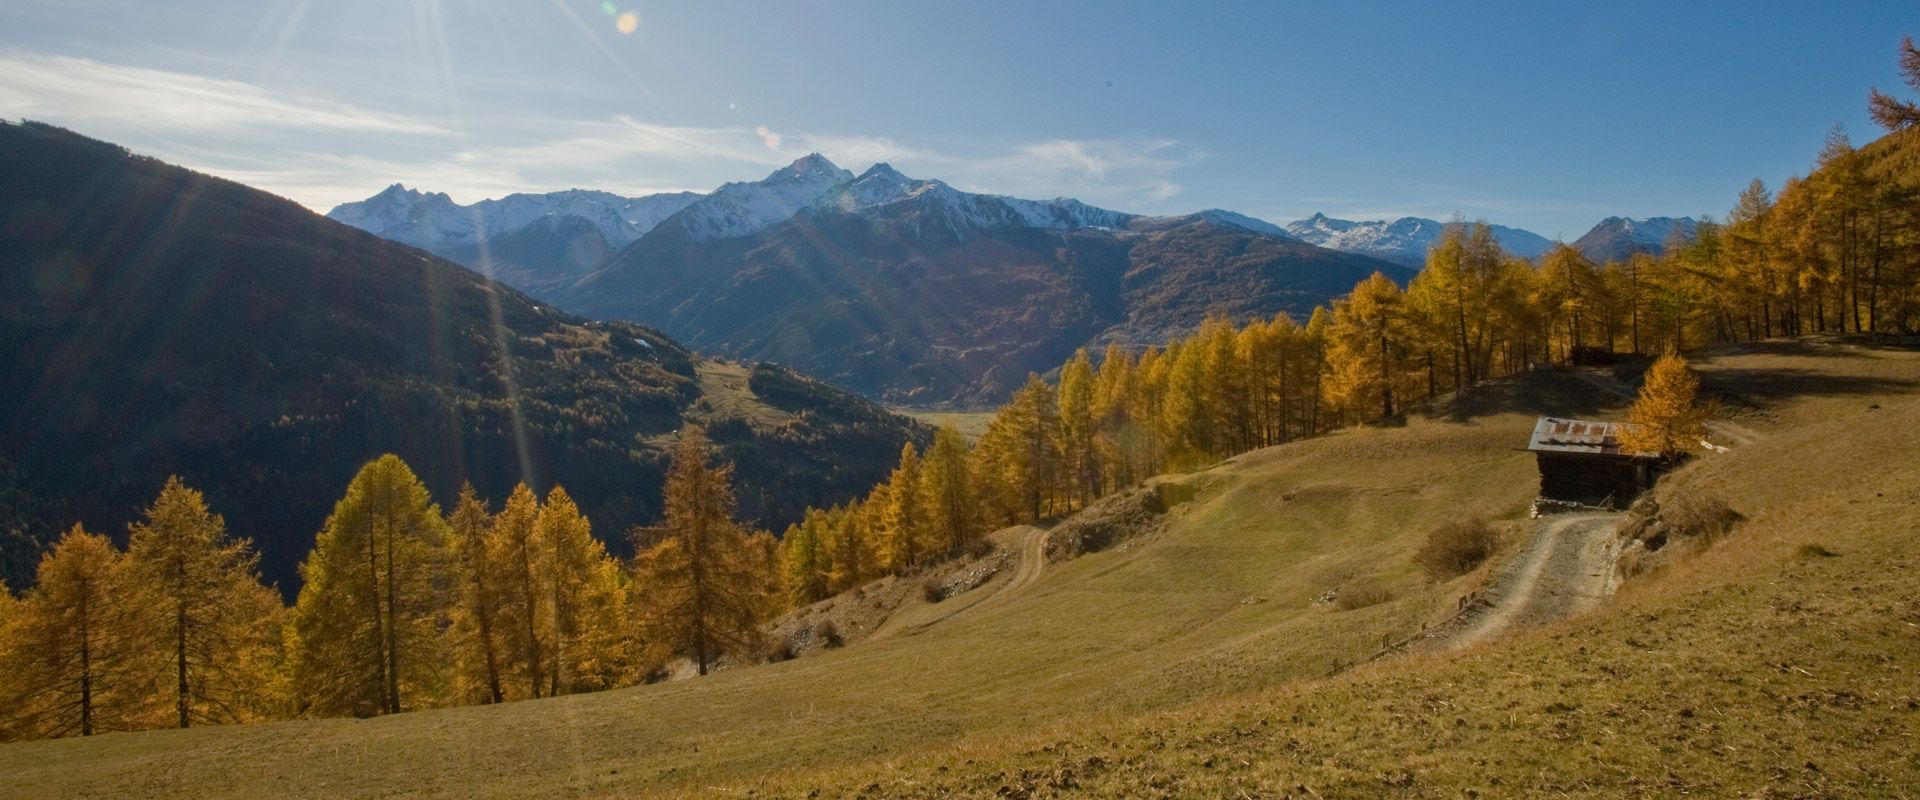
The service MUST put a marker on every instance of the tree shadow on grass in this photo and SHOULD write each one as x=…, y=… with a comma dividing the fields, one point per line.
x=1544, y=392
x=1757, y=388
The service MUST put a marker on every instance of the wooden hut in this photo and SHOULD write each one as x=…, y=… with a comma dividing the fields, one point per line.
x=1581, y=461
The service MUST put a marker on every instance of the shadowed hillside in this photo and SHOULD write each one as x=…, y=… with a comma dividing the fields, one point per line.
x=157, y=321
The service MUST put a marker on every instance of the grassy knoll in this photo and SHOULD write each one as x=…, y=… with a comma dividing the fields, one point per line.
x=971, y=424
x=1780, y=662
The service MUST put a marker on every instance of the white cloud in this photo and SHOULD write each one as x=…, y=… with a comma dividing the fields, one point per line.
x=82, y=91
x=320, y=152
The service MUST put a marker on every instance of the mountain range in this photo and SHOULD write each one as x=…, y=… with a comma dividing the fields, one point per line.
x=156, y=321
x=918, y=292
x=1618, y=238
x=904, y=288
x=911, y=289
x=1404, y=241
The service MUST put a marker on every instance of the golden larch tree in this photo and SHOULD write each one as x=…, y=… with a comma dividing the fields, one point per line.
x=477, y=621
x=1665, y=418
x=700, y=591
x=803, y=559
x=366, y=629
x=73, y=650
x=586, y=601
x=514, y=548
x=904, y=518
x=211, y=623
x=947, y=497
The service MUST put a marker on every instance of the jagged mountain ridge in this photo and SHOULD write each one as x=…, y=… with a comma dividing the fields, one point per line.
x=916, y=291
x=1618, y=238
x=156, y=321
x=1404, y=241
x=579, y=227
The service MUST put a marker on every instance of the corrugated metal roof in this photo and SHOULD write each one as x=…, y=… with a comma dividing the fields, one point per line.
x=1556, y=435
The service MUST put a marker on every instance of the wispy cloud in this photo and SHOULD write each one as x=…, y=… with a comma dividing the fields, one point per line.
x=322, y=152
x=82, y=90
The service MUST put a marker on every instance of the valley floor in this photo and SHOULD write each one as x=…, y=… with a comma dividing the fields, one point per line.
x=1779, y=662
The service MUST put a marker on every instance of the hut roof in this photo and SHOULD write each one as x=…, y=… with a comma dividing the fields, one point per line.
x=1555, y=435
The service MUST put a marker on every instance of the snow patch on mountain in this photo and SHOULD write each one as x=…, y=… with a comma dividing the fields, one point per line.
x=883, y=190
x=1403, y=241
x=433, y=222
x=744, y=207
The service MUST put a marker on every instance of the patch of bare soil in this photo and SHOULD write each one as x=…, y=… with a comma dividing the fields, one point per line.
x=1132, y=514
x=903, y=603
x=1567, y=566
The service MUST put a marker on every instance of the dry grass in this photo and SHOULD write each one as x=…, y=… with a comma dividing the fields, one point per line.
x=1189, y=665
x=971, y=424
x=1361, y=594
x=1456, y=548
x=1780, y=667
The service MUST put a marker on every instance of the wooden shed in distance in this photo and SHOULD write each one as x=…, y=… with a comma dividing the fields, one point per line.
x=1582, y=462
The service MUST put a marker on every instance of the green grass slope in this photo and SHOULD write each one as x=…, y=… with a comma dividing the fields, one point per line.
x=1192, y=662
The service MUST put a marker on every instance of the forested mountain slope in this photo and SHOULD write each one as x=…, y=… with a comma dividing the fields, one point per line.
x=917, y=292
x=157, y=321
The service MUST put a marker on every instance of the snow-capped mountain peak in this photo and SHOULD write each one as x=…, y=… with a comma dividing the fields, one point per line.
x=1233, y=219
x=1403, y=241
x=434, y=222
x=741, y=208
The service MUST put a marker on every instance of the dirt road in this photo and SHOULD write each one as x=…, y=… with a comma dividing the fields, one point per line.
x=1031, y=545
x=1565, y=567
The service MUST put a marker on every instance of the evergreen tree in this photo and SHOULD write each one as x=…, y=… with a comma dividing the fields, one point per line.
x=365, y=633
x=201, y=601
x=1665, y=419
x=702, y=593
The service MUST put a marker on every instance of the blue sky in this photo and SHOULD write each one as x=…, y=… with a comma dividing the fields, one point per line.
x=1539, y=115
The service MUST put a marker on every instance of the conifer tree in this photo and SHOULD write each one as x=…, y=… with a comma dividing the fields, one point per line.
x=1027, y=451
x=1077, y=427
x=803, y=559
x=702, y=595
x=200, y=598
x=73, y=650
x=1117, y=436
x=365, y=632
x=9, y=667
x=1892, y=113
x=478, y=623
x=1367, y=340
x=514, y=547
x=1187, y=418
x=586, y=600
x=904, y=516
x=947, y=495
x=1665, y=419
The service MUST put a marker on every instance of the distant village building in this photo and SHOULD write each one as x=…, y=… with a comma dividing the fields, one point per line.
x=1582, y=462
